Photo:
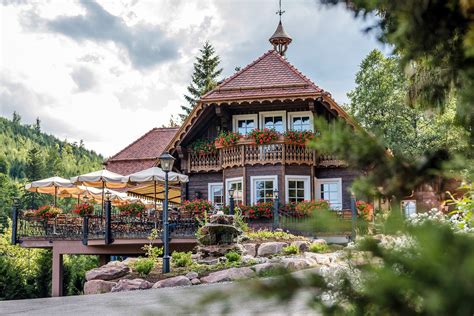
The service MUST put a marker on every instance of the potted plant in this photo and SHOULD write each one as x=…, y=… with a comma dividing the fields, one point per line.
x=258, y=211
x=298, y=137
x=197, y=208
x=46, y=212
x=226, y=139
x=202, y=147
x=84, y=209
x=263, y=136
x=134, y=209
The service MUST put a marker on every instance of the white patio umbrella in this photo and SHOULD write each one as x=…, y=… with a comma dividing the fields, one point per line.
x=100, y=179
x=153, y=175
x=50, y=186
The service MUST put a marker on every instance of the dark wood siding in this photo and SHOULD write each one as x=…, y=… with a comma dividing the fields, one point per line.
x=198, y=183
x=347, y=176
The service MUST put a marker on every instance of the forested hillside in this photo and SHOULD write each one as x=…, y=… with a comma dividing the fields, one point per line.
x=28, y=154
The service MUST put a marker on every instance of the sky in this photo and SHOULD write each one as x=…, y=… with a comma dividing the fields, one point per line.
x=106, y=72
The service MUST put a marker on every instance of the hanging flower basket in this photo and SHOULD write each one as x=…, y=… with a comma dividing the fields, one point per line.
x=227, y=139
x=84, y=210
x=263, y=136
x=300, y=138
x=203, y=147
x=48, y=212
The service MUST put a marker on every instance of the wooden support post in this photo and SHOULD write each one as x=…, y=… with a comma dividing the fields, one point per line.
x=57, y=277
x=108, y=222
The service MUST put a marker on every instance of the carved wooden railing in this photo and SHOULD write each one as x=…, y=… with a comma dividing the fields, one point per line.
x=248, y=153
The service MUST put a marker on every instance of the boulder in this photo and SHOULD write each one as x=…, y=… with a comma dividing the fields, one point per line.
x=253, y=260
x=130, y=261
x=319, y=241
x=112, y=270
x=131, y=285
x=192, y=275
x=270, y=248
x=296, y=263
x=321, y=258
x=218, y=250
x=250, y=249
x=213, y=234
x=180, y=280
x=231, y=274
x=209, y=261
x=264, y=267
x=302, y=245
x=98, y=286
x=195, y=281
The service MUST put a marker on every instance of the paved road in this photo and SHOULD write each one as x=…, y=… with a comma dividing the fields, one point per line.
x=169, y=301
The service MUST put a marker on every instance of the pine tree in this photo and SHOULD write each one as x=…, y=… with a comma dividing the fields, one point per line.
x=204, y=77
x=38, y=126
x=16, y=118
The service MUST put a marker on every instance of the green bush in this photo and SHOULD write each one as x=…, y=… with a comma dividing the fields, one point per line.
x=271, y=235
x=144, y=266
x=291, y=250
x=316, y=247
x=232, y=256
x=181, y=259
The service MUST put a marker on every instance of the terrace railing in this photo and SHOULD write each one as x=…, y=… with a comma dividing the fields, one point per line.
x=245, y=152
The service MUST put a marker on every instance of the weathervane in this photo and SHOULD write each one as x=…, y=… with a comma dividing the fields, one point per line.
x=280, y=12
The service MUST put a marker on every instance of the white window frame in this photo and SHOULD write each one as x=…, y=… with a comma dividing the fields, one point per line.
x=227, y=186
x=210, y=195
x=329, y=180
x=236, y=118
x=307, y=186
x=253, y=179
x=403, y=204
x=262, y=116
x=302, y=113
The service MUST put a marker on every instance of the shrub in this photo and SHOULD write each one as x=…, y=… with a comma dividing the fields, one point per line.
x=291, y=250
x=258, y=210
x=232, y=256
x=270, y=235
x=151, y=251
x=84, y=209
x=144, y=266
x=181, y=259
x=47, y=211
x=132, y=209
x=318, y=248
x=365, y=210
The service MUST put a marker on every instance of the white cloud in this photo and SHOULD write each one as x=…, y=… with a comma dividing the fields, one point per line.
x=107, y=72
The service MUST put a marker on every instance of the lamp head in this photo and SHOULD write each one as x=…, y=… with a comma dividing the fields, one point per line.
x=231, y=192
x=166, y=162
x=108, y=195
x=275, y=194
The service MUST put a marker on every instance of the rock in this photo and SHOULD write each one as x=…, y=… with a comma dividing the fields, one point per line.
x=321, y=258
x=209, y=261
x=270, y=248
x=192, y=275
x=131, y=285
x=302, y=245
x=221, y=218
x=98, y=287
x=180, y=280
x=213, y=234
x=250, y=249
x=295, y=263
x=195, y=281
x=263, y=267
x=253, y=260
x=231, y=274
x=110, y=271
x=320, y=241
x=130, y=261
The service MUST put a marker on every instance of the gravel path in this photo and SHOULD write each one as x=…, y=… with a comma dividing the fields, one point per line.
x=167, y=301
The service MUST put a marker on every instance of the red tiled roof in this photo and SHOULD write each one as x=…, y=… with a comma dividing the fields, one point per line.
x=142, y=153
x=269, y=75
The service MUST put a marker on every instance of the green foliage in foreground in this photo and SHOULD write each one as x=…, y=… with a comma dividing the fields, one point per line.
x=272, y=235
x=181, y=259
x=291, y=250
x=318, y=247
x=144, y=266
x=232, y=256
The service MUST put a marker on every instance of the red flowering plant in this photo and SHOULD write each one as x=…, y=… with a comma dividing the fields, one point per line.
x=197, y=208
x=29, y=213
x=227, y=138
x=260, y=210
x=307, y=208
x=263, y=136
x=299, y=137
x=134, y=209
x=84, y=209
x=202, y=147
x=365, y=210
x=48, y=211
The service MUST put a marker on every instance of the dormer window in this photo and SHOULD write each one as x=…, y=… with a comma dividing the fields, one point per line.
x=245, y=123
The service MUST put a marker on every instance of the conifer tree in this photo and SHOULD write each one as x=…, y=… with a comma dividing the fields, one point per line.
x=204, y=78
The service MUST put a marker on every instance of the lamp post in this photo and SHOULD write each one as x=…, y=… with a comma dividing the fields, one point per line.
x=108, y=218
x=166, y=162
x=85, y=223
x=276, y=203
x=354, y=216
x=231, y=201
x=15, y=205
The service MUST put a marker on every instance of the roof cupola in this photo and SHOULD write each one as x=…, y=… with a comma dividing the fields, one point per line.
x=280, y=39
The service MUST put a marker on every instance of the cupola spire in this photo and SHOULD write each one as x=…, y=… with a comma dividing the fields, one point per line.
x=280, y=39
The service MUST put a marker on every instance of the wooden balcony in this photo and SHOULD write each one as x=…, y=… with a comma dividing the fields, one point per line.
x=247, y=153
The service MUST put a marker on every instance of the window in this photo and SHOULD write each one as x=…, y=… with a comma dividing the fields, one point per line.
x=273, y=120
x=331, y=191
x=244, y=123
x=301, y=121
x=237, y=185
x=409, y=207
x=297, y=189
x=263, y=187
x=216, y=194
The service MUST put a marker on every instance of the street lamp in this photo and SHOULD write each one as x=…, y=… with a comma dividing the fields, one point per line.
x=166, y=162
x=231, y=201
x=108, y=217
x=275, y=209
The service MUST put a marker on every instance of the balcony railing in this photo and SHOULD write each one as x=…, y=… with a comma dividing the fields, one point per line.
x=249, y=153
